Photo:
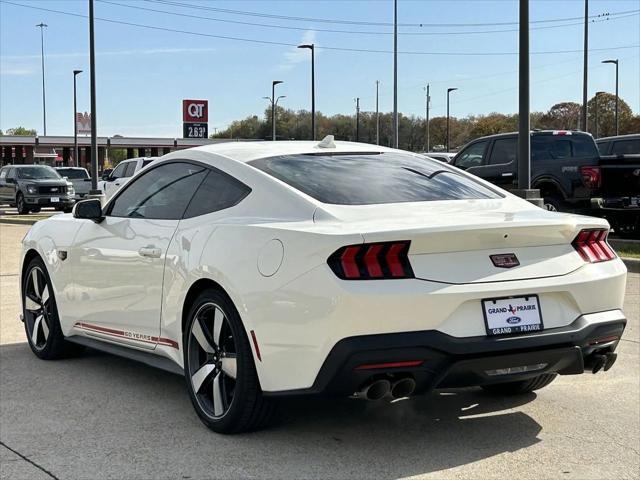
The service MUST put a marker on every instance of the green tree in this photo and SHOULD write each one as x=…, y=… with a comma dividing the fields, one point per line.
x=606, y=115
x=21, y=131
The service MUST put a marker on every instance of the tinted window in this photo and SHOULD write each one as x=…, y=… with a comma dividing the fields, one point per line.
x=160, y=193
x=471, y=156
x=503, y=151
x=217, y=192
x=362, y=179
x=562, y=146
x=38, y=173
x=119, y=170
x=624, y=147
x=131, y=169
x=583, y=146
x=147, y=162
x=73, y=173
x=603, y=147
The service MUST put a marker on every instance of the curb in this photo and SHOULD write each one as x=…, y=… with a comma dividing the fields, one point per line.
x=633, y=264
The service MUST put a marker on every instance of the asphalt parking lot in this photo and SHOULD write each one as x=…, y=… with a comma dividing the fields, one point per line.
x=99, y=416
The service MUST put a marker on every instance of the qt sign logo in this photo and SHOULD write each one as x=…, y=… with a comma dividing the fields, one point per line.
x=195, y=111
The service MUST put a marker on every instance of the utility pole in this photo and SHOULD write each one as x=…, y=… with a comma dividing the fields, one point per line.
x=449, y=90
x=377, y=115
x=76, y=160
x=94, y=133
x=584, y=66
x=44, y=102
x=428, y=101
x=395, y=74
x=357, y=119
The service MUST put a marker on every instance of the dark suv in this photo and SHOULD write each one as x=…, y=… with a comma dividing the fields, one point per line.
x=564, y=165
x=31, y=187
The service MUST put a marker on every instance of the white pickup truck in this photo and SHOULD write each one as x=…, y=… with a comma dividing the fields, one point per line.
x=122, y=174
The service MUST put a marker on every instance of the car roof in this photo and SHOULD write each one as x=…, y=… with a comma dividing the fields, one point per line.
x=533, y=132
x=619, y=137
x=248, y=151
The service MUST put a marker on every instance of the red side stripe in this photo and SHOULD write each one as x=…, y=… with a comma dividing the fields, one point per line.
x=121, y=334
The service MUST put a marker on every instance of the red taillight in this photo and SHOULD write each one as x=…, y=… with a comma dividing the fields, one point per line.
x=377, y=366
x=372, y=261
x=591, y=176
x=592, y=245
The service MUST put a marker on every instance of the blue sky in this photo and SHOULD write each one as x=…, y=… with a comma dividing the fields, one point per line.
x=143, y=74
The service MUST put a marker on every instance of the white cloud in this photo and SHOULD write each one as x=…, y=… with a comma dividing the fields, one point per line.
x=297, y=55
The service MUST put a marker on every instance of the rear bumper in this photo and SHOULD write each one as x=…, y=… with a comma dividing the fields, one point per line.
x=458, y=362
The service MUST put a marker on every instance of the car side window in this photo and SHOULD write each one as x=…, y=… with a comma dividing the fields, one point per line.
x=471, y=156
x=603, y=147
x=11, y=174
x=217, y=192
x=130, y=170
x=160, y=193
x=3, y=173
x=625, y=147
x=119, y=170
x=503, y=151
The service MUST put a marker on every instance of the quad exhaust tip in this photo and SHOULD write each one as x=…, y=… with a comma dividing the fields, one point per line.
x=403, y=387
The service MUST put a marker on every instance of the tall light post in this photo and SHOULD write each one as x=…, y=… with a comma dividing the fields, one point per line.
x=357, y=119
x=584, y=66
x=94, y=133
x=428, y=101
x=274, y=104
x=524, y=135
x=377, y=114
x=311, y=47
x=75, y=120
x=42, y=26
x=449, y=90
x=615, y=62
x=395, y=74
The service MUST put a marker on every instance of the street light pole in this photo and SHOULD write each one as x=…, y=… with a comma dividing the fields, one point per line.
x=311, y=47
x=357, y=119
x=273, y=108
x=428, y=101
x=94, y=133
x=449, y=90
x=44, y=103
x=584, y=66
x=616, y=64
x=524, y=135
x=395, y=74
x=75, y=120
x=377, y=114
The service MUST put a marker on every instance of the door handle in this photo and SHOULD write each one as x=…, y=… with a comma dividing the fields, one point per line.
x=507, y=174
x=150, y=252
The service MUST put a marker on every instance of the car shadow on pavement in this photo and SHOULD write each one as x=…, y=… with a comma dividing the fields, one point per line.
x=99, y=415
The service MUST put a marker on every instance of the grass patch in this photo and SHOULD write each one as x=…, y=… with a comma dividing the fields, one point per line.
x=629, y=251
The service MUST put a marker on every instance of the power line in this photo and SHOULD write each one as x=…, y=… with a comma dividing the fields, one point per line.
x=602, y=18
x=285, y=44
x=359, y=22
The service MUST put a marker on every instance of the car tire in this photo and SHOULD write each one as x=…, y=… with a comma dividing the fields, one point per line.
x=36, y=210
x=553, y=203
x=67, y=210
x=215, y=349
x=524, y=386
x=40, y=314
x=21, y=205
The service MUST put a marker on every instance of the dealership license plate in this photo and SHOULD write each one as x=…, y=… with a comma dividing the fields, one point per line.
x=504, y=316
x=55, y=199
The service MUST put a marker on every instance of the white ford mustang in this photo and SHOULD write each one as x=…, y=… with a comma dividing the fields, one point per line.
x=276, y=268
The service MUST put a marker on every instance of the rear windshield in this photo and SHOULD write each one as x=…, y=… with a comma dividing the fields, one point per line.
x=37, y=173
x=546, y=147
x=73, y=173
x=365, y=179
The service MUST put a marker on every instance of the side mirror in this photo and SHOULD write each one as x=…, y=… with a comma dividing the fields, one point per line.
x=89, y=210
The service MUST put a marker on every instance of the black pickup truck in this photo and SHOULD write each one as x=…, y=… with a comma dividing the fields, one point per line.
x=565, y=166
x=618, y=199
